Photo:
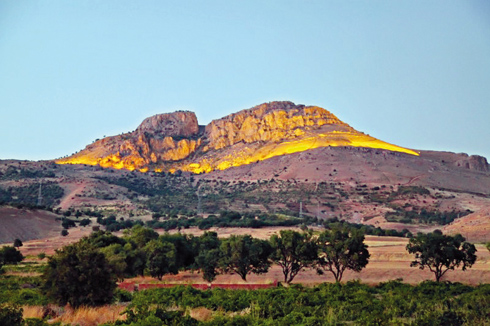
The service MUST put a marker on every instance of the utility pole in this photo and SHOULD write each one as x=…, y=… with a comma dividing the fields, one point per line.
x=199, y=204
x=199, y=207
x=301, y=209
x=318, y=209
x=40, y=195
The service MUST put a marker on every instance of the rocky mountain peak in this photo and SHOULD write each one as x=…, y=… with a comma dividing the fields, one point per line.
x=175, y=124
x=273, y=121
x=173, y=141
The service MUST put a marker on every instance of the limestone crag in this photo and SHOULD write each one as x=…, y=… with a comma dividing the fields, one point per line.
x=176, y=124
x=172, y=141
x=274, y=121
x=162, y=137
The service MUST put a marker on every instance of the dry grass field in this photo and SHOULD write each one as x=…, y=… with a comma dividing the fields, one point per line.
x=84, y=316
x=389, y=261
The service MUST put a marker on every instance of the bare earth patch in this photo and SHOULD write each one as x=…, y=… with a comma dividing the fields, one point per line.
x=26, y=224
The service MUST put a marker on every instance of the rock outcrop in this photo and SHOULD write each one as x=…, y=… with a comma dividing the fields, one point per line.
x=473, y=162
x=176, y=124
x=274, y=121
x=175, y=141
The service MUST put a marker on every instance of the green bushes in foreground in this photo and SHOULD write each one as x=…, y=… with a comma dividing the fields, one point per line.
x=353, y=303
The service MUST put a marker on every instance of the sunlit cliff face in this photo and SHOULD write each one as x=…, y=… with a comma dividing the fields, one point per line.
x=265, y=131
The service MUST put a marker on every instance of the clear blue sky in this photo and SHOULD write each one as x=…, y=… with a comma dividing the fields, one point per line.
x=413, y=73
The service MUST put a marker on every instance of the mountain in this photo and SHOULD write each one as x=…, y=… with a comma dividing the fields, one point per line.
x=275, y=158
x=175, y=141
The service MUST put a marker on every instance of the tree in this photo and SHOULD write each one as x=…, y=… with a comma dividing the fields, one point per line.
x=18, y=243
x=116, y=257
x=244, y=255
x=85, y=222
x=10, y=256
x=441, y=253
x=209, y=255
x=161, y=258
x=140, y=235
x=67, y=223
x=341, y=249
x=488, y=246
x=101, y=239
x=293, y=251
x=186, y=247
x=64, y=232
x=135, y=259
x=79, y=274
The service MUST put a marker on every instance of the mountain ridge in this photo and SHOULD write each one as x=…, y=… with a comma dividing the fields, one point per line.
x=175, y=141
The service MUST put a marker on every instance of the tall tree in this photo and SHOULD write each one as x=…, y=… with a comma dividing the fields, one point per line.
x=116, y=257
x=80, y=275
x=244, y=255
x=140, y=235
x=186, y=247
x=293, y=251
x=209, y=255
x=441, y=253
x=341, y=249
x=161, y=258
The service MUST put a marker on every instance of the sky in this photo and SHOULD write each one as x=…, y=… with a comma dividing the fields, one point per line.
x=412, y=73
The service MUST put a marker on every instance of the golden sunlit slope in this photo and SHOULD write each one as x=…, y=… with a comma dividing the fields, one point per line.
x=174, y=141
x=240, y=155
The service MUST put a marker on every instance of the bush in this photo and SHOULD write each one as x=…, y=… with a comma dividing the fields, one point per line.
x=10, y=255
x=11, y=315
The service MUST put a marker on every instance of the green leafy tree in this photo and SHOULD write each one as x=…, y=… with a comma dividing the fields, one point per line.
x=85, y=222
x=10, y=256
x=207, y=260
x=18, y=243
x=244, y=255
x=100, y=239
x=341, y=249
x=116, y=256
x=293, y=251
x=186, y=247
x=441, y=253
x=80, y=275
x=135, y=259
x=140, y=235
x=161, y=258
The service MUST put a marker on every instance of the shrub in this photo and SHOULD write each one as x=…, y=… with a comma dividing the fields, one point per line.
x=10, y=315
